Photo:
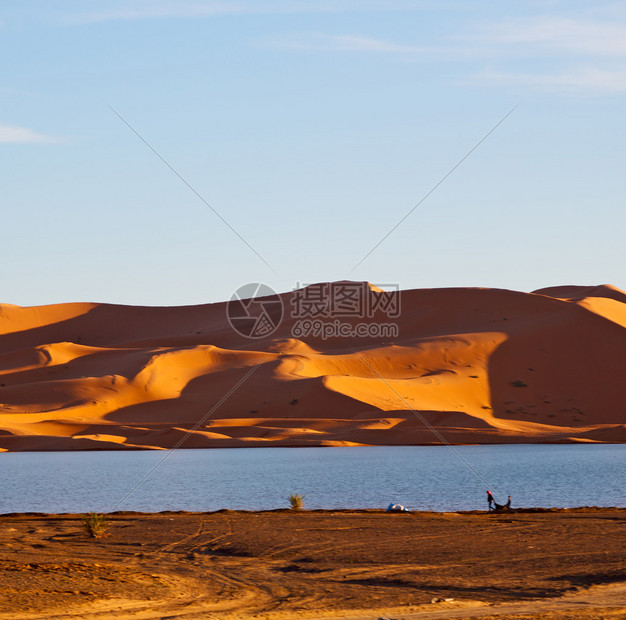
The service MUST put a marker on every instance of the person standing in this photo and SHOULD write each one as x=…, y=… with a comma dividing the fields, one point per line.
x=491, y=503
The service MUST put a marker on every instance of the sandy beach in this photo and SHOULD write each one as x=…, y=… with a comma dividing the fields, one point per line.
x=322, y=564
x=479, y=365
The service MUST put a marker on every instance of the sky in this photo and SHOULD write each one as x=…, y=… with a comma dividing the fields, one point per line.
x=168, y=152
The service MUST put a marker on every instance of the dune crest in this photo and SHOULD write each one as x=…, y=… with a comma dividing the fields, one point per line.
x=468, y=365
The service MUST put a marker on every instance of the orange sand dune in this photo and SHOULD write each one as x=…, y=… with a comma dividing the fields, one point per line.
x=605, y=300
x=467, y=366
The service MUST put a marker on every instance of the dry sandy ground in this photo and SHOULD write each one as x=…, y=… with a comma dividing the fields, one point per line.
x=480, y=365
x=322, y=564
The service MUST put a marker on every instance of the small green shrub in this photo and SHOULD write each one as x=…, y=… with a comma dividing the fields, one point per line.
x=95, y=524
x=296, y=501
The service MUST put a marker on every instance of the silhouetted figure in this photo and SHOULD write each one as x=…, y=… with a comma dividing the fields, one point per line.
x=490, y=501
x=502, y=507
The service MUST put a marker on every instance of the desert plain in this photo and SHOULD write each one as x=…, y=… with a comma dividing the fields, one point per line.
x=316, y=564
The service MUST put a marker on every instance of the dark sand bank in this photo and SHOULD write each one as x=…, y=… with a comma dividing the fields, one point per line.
x=364, y=564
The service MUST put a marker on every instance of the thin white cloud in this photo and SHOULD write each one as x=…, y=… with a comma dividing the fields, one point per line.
x=556, y=36
x=320, y=42
x=582, y=80
x=10, y=134
x=586, y=55
x=159, y=10
x=584, y=51
x=142, y=9
x=523, y=38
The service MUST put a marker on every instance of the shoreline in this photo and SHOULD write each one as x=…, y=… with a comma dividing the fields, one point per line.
x=301, y=511
x=329, y=445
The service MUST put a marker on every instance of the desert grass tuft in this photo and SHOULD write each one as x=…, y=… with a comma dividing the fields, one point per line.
x=95, y=524
x=296, y=501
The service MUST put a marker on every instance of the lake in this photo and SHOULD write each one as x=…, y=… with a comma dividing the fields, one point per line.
x=420, y=477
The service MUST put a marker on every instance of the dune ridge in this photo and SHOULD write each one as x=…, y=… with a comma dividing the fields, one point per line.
x=478, y=366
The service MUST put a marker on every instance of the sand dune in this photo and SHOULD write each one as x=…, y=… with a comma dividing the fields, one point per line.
x=605, y=300
x=467, y=366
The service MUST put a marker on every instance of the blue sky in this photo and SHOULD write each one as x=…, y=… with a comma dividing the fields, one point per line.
x=312, y=127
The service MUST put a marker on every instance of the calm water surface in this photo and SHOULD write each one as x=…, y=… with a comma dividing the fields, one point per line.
x=421, y=478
